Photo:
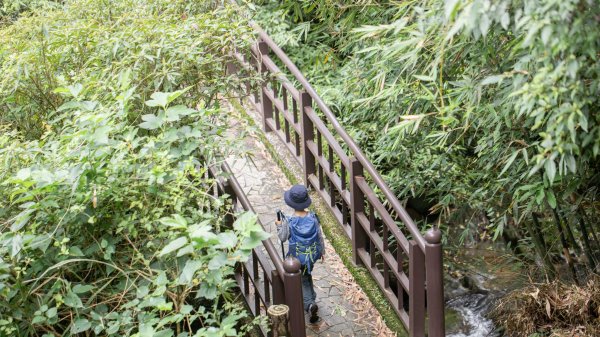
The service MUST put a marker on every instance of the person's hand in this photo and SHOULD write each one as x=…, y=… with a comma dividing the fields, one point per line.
x=278, y=222
x=322, y=258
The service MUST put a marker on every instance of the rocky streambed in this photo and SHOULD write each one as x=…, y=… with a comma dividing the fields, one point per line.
x=481, y=274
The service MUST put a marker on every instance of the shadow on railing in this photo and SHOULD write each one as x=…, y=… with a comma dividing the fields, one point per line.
x=406, y=265
x=264, y=280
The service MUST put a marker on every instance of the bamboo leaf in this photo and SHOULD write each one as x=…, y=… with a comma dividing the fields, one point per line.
x=550, y=169
x=509, y=162
x=551, y=199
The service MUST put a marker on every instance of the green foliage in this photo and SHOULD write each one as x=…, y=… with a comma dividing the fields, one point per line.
x=152, y=45
x=11, y=9
x=109, y=120
x=481, y=107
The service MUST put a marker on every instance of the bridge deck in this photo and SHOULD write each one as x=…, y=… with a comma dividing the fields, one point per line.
x=344, y=308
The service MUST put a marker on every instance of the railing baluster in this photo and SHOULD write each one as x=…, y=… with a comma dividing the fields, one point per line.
x=246, y=281
x=399, y=258
x=298, y=144
x=276, y=90
x=286, y=124
x=308, y=134
x=331, y=184
x=254, y=63
x=295, y=110
x=385, y=238
x=401, y=293
x=265, y=102
x=266, y=288
x=320, y=154
x=229, y=216
x=278, y=288
x=386, y=275
x=357, y=205
x=416, y=291
x=345, y=212
x=372, y=248
x=246, y=73
x=330, y=158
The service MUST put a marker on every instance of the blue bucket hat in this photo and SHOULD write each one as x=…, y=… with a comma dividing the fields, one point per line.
x=297, y=197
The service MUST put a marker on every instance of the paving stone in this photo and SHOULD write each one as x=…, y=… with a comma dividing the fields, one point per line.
x=334, y=291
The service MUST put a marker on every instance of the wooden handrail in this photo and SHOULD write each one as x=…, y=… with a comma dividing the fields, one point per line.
x=285, y=280
x=349, y=141
x=245, y=202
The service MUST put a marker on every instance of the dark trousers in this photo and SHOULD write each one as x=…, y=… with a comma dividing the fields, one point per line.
x=308, y=291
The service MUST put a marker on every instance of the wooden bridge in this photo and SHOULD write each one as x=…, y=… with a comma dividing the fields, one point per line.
x=406, y=264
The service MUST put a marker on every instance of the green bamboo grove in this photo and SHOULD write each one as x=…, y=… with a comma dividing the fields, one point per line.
x=483, y=113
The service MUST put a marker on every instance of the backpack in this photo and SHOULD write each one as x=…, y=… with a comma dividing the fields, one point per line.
x=304, y=243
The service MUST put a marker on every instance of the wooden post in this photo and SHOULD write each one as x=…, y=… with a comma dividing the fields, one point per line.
x=357, y=205
x=278, y=288
x=435, y=282
x=416, y=319
x=279, y=316
x=293, y=296
x=308, y=134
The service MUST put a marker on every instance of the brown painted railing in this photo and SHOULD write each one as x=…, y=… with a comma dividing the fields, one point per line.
x=406, y=265
x=264, y=279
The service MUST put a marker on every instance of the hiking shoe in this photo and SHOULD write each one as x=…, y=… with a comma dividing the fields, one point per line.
x=312, y=310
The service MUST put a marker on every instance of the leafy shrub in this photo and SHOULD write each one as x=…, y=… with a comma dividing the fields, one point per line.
x=12, y=9
x=109, y=120
x=151, y=45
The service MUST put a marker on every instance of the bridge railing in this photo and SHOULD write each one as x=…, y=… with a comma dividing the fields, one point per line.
x=265, y=279
x=406, y=264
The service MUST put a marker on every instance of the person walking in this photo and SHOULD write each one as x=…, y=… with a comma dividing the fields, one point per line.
x=303, y=230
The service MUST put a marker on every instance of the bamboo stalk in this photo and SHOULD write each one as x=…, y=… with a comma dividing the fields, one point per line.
x=568, y=230
x=592, y=229
x=586, y=242
x=565, y=245
x=540, y=246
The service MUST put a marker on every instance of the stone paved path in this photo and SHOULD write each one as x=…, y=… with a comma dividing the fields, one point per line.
x=341, y=302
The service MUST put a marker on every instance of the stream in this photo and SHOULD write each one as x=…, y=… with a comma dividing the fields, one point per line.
x=486, y=274
x=472, y=310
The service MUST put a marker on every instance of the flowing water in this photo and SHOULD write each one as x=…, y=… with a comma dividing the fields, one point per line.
x=489, y=273
x=472, y=309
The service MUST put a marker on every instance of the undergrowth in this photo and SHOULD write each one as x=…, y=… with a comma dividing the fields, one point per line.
x=551, y=309
x=108, y=123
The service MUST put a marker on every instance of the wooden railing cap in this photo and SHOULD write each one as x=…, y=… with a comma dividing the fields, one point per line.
x=291, y=265
x=433, y=236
